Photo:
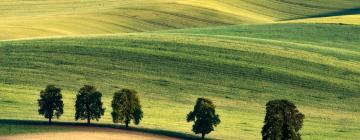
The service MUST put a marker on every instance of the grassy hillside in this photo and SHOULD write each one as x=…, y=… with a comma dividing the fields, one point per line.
x=171, y=52
x=28, y=18
x=239, y=67
x=346, y=19
x=326, y=36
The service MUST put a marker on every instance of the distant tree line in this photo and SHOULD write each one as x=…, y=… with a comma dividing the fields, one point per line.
x=283, y=120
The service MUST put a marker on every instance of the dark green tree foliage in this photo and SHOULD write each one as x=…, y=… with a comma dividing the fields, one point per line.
x=50, y=102
x=204, y=116
x=88, y=104
x=282, y=121
x=126, y=107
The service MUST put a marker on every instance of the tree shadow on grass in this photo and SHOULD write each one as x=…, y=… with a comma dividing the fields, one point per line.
x=168, y=133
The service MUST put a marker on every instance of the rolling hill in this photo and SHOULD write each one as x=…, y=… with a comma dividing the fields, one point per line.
x=239, y=53
x=345, y=19
x=27, y=18
x=239, y=67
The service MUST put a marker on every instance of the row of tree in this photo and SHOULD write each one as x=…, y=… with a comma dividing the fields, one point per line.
x=282, y=121
x=88, y=105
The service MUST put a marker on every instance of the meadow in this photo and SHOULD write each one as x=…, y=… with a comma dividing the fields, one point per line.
x=27, y=19
x=240, y=71
x=239, y=53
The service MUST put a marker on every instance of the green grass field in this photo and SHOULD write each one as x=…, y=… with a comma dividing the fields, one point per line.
x=240, y=71
x=240, y=54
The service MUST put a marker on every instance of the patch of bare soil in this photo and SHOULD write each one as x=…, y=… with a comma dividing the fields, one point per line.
x=89, y=133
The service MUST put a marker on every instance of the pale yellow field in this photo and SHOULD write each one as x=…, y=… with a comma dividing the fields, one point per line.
x=27, y=18
x=87, y=133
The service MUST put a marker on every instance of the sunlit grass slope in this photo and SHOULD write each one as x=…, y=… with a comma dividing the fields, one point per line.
x=273, y=10
x=28, y=18
x=239, y=67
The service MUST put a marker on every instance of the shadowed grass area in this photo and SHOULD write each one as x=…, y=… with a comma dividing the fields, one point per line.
x=346, y=16
x=13, y=127
x=351, y=11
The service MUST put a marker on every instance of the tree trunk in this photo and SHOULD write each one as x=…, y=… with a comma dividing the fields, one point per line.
x=88, y=120
x=88, y=113
x=126, y=125
x=202, y=135
x=49, y=119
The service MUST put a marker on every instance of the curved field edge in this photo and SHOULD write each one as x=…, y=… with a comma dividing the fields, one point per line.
x=17, y=127
x=170, y=70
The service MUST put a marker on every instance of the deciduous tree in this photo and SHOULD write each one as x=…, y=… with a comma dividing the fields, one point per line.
x=50, y=102
x=88, y=104
x=126, y=107
x=282, y=121
x=204, y=117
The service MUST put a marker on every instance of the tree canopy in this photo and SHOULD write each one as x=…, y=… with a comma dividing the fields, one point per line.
x=88, y=104
x=50, y=102
x=126, y=107
x=282, y=121
x=204, y=116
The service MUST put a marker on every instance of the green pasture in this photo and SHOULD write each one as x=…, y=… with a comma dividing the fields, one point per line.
x=239, y=67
